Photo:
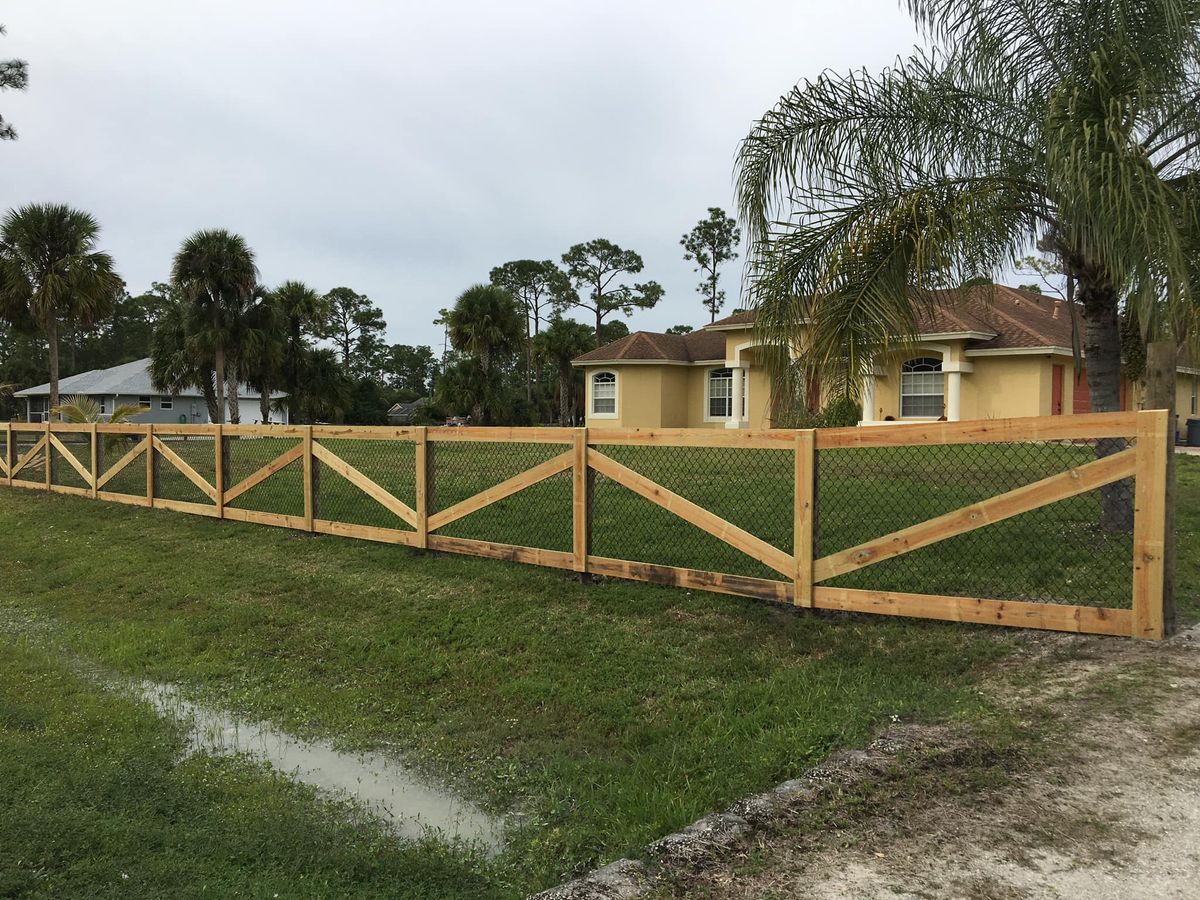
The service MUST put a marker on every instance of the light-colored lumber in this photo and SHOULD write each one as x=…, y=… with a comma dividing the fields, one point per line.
x=365, y=532
x=149, y=465
x=69, y=427
x=94, y=460
x=259, y=476
x=120, y=428
x=124, y=461
x=365, y=432
x=29, y=485
x=506, y=488
x=256, y=517
x=276, y=431
x=421, y=477
x=579, y=500
x=1016, y=613
x=69, y=489
x=383, y=497
x=169, y=430
x=692, y=579
x=1149, y=524
x=804, y=509
x=183, y=506
x=84, y=471
x=552, y=559
x=7, y=459
x=773, y=439
x=219, y=470
x=127, y=499
x=503, y=435
x=48, y=460
x=307, y=448
x=182, y=465
x=735, y=537
x=30, y=455
x=982, y=431
x=1066, y=484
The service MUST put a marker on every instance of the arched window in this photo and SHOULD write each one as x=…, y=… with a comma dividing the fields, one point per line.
x=604, y=394
x=720, y=393
x=922, y=394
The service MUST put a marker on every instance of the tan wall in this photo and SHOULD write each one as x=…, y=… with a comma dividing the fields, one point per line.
x=1002, y=387
x=1184, y=387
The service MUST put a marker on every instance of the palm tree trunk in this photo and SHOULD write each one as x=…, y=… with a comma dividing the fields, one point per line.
x=1102, y=357
x=52, y=341
x=264, y=406
x=231, y=391
x=219, y=378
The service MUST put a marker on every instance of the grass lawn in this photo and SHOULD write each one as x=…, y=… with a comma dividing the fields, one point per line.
x=605, y=715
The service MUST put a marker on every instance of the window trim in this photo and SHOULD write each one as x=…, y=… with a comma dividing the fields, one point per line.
x=591, y=395
x=145, y=402
x=166, y=402
x=941, y=370
x=708, y=373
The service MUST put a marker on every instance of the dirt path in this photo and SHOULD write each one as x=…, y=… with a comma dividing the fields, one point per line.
x=1114, y=813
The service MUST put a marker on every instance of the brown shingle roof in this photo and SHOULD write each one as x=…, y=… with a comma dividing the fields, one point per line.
x=1017, y=319
x=649, y=346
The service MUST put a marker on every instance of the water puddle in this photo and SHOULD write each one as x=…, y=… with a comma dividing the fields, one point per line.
x=379, y=784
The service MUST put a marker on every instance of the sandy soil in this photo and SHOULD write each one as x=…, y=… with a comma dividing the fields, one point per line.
x=1115, y=814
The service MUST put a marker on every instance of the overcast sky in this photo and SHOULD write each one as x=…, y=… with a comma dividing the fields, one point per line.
x=403, y=148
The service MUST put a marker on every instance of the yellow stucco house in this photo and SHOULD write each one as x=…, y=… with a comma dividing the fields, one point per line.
x=993, y=354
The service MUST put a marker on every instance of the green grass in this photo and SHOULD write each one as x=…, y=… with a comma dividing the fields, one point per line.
x=96, y=802
x=605, y=715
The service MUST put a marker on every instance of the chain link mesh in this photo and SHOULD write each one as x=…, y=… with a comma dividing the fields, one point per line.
x=23, y=443
x=110, y=451
x=79, y=446
x=1075, y=551
x=390, y=464
x=538, y=516
x=283, y=492
x=199, y=452
x=751, y=488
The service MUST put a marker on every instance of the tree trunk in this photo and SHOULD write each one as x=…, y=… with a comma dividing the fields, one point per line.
x=564, y=397
x=1160, y=394
x=231, y=391
x=1102, y=357
x=264, y=406
x=52, y=343
x=219, y=378
x=599, y=322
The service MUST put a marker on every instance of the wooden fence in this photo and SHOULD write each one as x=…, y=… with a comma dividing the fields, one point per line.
x=97, y=457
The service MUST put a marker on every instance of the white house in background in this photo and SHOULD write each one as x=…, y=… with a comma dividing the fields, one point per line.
x=130, y=384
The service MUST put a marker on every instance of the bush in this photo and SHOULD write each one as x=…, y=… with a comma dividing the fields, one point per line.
x=840, y=412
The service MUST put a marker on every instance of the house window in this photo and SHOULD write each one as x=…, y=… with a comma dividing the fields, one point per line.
x=144, y=402
x=604, y=394
x=103, y=407
x=720, y=393
x=922, y=394
x=165, y=403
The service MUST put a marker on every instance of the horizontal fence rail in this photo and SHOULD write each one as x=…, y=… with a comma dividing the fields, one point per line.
x=1054, y=522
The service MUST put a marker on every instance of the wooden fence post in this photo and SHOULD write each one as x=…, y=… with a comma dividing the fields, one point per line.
x=421, y=475
x=95, y=460
x=1149, y=523
x=580, y=501
x=219, y=470
x=1161, y=363
x=49, y=456
x=150, y=465
x=8, y=453
x=308, y=485
x=805, y=510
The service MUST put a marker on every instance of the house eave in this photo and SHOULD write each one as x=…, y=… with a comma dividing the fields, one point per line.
x=1020, y=351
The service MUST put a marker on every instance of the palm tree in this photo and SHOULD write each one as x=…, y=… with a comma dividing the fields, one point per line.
x=322, y=392
x=303, y=314
x=215, y=274
x=487, y=323
x=1066, y=123
x=81, y=410
x=560, y=343
x=51, y=274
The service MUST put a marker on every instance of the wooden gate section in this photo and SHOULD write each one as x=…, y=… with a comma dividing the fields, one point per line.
x=802, y=573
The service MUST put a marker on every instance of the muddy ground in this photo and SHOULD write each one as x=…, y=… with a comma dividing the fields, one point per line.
x=1098, y=798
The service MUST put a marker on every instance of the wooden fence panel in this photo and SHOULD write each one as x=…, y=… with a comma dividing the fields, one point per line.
x=31, y=451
